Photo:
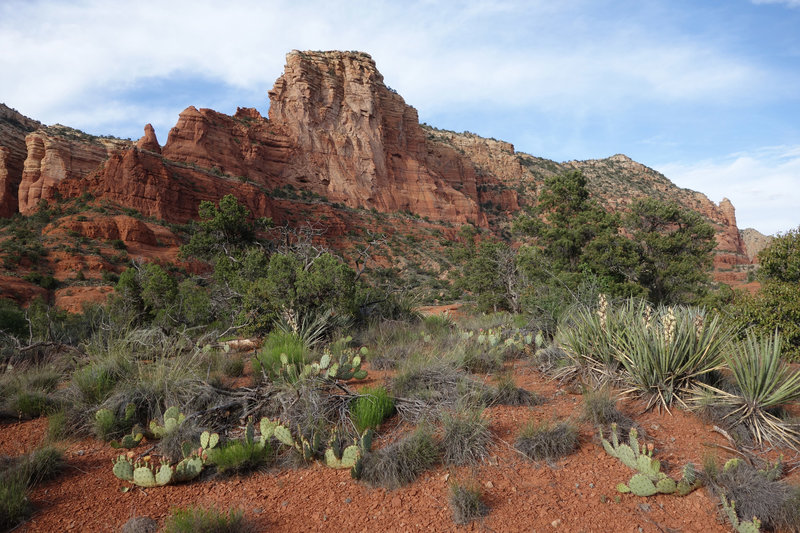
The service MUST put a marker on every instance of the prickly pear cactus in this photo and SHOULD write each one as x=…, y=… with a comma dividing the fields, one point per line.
x=144, y=476
x=123, y=468
x=187, y=469
x=639, y=485
x=649, y=480
x=283, y=435
x=128, y=441
x=172, y=419
x=348, y=458
x=208, y=440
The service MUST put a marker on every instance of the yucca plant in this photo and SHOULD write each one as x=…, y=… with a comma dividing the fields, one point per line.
x=764, y=383
x=663, y=358
x=589, y=336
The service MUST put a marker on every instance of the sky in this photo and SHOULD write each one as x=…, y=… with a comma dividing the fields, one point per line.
x=705, y=91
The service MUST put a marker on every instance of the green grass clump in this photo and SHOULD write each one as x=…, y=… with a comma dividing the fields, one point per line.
x=279, y=343
x=31, y=403
x=466, y=502
x=465, y=437
x=56, y=426
x=547, y=441
x=18, y=476
x=14, y=503
x=401, y=462
x=233, y=367
x=506, y=392
x=238, y=457
x=199, y=520
x=600, y=409
x=371, y=408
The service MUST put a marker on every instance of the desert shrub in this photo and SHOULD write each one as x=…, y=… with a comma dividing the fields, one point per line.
x=233, y=367
x=152, y=387
x=465, y=437
x=755, y=493
x=171, y=444
x=550, y=359
x=776, y=305
x=600, y=409
x=547, y=441
x=18, y=476
x=434, y=386
x=763, y=383
x=14, y=503
x=466, y=502
x=506, y=392
x=12, y=318
x=237, y=457
x=268, y=360
x=402, y=461
x=140, y=524
x=199, y=520
x=372, y=408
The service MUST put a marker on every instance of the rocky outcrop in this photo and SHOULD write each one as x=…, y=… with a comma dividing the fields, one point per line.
x=754, y=242
x=615, y=182
x=160, y=188
x=359, y=139
x=14, y=127
x=58, y=153
x=149, y=141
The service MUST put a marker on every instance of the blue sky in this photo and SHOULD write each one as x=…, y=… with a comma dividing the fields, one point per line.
x=707, y=92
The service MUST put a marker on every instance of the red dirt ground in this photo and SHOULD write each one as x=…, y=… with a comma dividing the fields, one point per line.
x=575, y=494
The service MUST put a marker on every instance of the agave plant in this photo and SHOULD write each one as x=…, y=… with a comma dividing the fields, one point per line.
x=664, y=357
x=764, y=383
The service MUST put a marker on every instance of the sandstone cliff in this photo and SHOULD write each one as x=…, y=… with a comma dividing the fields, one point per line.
x=14, y=127
x=359, y=139
x=59, y=153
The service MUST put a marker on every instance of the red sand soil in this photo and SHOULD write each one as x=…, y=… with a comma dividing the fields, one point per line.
x=574, y=494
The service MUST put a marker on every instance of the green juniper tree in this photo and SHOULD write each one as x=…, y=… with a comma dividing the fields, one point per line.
x=674, y=248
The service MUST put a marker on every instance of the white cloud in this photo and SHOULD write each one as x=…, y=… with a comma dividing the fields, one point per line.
x=764, y=185
x=437, y=55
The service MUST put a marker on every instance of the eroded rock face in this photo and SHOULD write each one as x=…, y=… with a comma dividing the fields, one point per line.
x=754, y=242
x=149, y=141
x=14, y=127
x=360, y=140
x=58, y=153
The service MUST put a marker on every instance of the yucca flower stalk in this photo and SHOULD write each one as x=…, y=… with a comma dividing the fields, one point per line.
x=764, y=383
x=589, y=336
